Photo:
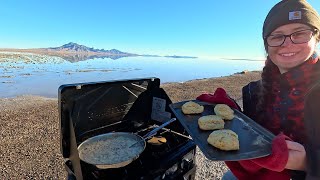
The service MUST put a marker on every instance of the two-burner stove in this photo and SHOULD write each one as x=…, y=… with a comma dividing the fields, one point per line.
x=137, y=106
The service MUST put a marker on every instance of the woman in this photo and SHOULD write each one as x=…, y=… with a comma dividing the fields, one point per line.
x=277, y=101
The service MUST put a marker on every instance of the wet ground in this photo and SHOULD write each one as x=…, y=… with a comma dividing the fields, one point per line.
x=32, y=74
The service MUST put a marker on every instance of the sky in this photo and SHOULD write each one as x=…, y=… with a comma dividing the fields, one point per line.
x=202, y=28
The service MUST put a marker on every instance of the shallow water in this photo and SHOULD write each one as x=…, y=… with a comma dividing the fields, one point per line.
x=20, y=77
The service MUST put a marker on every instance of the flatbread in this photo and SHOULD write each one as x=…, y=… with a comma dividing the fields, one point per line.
x=224, y=111
x=158, y=140
x=191, y=107
x=210, y=122
x=224, y=139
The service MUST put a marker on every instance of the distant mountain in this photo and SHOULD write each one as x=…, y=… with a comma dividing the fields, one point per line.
x=74, y=52
x=74, y=47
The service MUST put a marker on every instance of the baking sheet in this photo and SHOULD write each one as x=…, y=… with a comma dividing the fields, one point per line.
x=255, y=141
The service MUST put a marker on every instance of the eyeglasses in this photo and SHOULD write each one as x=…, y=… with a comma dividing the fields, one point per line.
x=297, y=37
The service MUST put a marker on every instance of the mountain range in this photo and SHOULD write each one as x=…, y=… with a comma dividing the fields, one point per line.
x=74, y=52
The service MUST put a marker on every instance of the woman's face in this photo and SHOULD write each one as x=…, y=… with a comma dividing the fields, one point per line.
x=290, y=55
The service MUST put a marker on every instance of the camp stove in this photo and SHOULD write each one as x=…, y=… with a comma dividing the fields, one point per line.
x=137, y=106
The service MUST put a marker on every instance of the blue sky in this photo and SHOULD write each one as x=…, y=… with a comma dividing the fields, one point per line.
x=203, y=28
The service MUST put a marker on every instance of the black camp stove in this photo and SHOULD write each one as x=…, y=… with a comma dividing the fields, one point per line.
x=136, y=106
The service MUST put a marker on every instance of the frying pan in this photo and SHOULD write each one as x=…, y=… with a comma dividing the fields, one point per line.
x=116, y=149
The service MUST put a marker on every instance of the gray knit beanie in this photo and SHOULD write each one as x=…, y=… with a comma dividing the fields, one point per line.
x=290, y=11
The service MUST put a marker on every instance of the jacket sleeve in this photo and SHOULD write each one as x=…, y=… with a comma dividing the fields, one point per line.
x=312, y=126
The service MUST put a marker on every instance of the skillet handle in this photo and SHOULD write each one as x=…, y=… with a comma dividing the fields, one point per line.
x=155, y=130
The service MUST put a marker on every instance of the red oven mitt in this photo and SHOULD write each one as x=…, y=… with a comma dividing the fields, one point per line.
x=219, y=97
x=265, y=168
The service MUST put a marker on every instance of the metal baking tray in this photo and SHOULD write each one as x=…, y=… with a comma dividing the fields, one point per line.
x=255, y=141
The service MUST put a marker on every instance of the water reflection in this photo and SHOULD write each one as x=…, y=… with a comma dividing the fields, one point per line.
x=83, y=57
x=20, y=77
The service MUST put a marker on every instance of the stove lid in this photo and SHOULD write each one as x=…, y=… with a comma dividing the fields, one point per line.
x=94, y=105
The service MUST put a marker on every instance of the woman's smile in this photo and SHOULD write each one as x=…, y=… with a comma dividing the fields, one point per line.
x=287, y=54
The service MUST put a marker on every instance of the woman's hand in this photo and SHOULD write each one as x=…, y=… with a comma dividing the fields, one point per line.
x=297, y=156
